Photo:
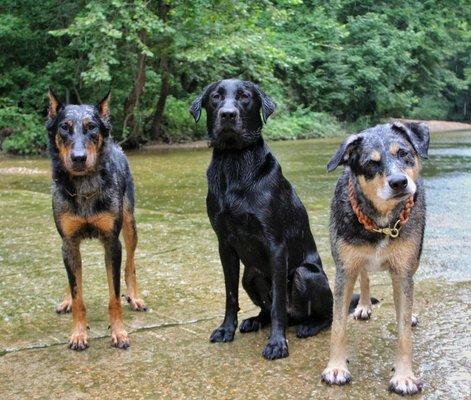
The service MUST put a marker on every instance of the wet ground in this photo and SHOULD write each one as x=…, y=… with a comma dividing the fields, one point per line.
x=181, y=280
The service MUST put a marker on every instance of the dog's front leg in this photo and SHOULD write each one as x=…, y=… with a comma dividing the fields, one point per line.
x=363, y=309
x=73, y=265
x=337, y=372
x=113, y=255
x=403, y=381
x=277, y=346
x=231, y=266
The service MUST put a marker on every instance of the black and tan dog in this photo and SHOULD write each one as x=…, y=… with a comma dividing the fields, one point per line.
x=377, y=224
x=259, y=220
x=92, y=197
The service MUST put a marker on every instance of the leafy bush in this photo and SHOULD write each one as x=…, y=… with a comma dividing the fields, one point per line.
x=302, y=124
x=431, y=107
x=26, y=133
x=178, y=123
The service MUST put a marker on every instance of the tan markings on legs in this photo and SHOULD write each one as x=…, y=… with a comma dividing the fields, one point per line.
x=403, y=381
x=119, y=336
x=79, y=337
x=130, y=242
x=337, y=372
x=66, y=305
x=364, y=307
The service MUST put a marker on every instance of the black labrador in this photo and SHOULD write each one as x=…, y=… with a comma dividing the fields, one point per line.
x=259, y=220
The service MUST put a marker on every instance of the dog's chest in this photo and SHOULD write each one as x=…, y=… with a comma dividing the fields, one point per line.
x=376, y=260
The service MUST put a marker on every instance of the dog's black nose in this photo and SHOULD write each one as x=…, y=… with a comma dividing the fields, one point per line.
x=397, y=182
x=228, y=114
x=78, y=157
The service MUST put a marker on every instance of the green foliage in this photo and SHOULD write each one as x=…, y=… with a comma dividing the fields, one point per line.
x=327, y=64
x=179, y=125
x=26, y=133
x=430, y=107
x=302, y=124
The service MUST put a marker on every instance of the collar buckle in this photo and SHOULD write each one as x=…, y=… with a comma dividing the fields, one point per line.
x=391, y=232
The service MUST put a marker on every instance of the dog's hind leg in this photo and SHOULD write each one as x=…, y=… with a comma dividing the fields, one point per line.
x=73, y=265
x=311, y=300
x=364, y=308
x=130, y=242
x=404, y=381
x=258, y=289
x=66, y=305
x=113, y=255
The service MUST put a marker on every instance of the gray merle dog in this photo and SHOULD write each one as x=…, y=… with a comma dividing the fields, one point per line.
x=92, y=197
x=377, y=224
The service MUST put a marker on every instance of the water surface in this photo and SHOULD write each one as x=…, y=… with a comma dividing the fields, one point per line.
x=181, y=280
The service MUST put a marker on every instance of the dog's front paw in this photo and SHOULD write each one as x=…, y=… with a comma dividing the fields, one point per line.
x=64, y=307
x=336, y=375
x=362, y=312
x=277, y=348
x=78, y=340
x=405, y=385
x=136, y=304
x=120, y=339
x=250, y=325
x=222, y=334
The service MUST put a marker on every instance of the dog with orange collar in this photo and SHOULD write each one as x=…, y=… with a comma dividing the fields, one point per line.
x=377, y=224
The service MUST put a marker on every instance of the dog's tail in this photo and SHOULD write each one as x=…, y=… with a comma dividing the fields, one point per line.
x=356, y=299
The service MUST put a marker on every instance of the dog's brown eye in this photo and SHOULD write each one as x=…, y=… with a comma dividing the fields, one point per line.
x=216, y=96
x=401, y=153
x=244, y=95
x=91, y=127
x=64, y=127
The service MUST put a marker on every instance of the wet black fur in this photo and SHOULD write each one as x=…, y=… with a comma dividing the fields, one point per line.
x=260, y=221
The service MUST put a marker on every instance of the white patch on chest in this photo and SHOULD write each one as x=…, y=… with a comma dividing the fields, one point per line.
x=376, y=261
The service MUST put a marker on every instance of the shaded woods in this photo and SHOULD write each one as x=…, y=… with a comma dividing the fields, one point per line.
x=328, y=64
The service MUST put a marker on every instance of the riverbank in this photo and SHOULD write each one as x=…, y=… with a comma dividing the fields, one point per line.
x=434, y=125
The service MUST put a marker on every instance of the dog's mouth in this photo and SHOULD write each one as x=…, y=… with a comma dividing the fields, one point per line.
x=401, y=196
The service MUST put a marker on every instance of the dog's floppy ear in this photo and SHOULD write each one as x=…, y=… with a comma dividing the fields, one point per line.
x=266, y=104
x=54, y=104
x=418, y=135
x=104, y=106
x=200, y=101
x=343, y=153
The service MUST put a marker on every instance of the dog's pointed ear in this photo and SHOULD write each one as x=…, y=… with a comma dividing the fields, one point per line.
x=267, y=105
x=345, y=150
x=199, y=102
x=104, y=106
x=417, y=134
x=54, y=104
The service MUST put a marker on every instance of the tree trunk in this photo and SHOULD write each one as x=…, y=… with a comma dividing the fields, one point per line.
x=156, y=127
x=132, y=101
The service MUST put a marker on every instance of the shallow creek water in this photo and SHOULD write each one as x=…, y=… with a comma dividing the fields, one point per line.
x=181, y=280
